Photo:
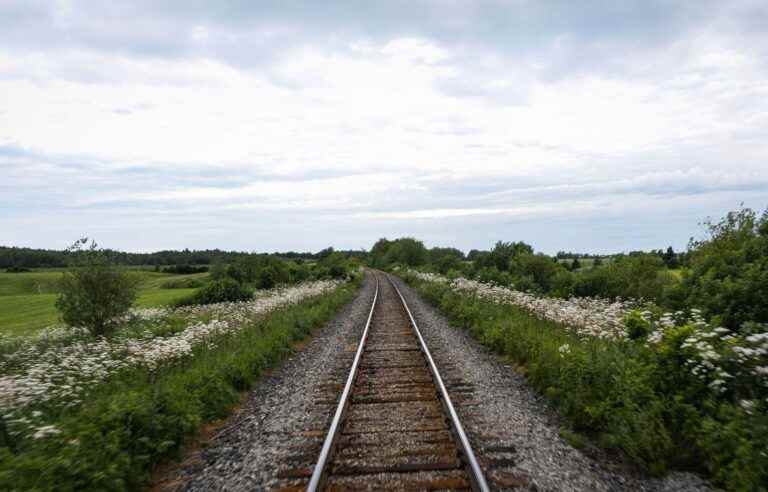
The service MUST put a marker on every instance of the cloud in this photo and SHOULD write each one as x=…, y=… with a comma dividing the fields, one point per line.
x=274, y=124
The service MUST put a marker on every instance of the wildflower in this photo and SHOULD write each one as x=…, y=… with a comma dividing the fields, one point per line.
x=747, y=405
x=60, y=374
x=46, y=431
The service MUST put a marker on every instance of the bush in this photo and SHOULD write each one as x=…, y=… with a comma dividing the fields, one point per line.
x=728, y=271
x=183, y=283
x=224, y=290
x=641, y=276
x=539, y=271
x=17, y=269
x=333, y=266
x=94, y=292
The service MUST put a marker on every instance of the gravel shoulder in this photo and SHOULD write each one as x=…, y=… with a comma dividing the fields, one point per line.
x=273, y=439
x=515, y=433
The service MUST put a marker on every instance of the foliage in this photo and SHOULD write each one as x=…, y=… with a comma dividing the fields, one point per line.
x=224, y=290
x=333, y=266
x=727, y=274
x=676, y=392
x=405, y=251
x=501, y=255
x=94, y=294
x=641, y=276
x=185, y=269
x=536, y=272
x=183, y=283
x=138, y=420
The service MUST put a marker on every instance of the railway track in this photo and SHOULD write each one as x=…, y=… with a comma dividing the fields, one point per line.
x=395, y=426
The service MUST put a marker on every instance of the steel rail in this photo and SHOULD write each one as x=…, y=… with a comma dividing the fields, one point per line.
x=330, y=438
x=476, y=473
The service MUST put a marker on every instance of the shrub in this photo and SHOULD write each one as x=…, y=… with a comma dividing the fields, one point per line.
x=94, y=292
x=637, y=326
x=183, y=283
x=641, y=276
x=728, y=271
x=17, y=269
x=539, y=269
x=224, y=290
x=333, y=266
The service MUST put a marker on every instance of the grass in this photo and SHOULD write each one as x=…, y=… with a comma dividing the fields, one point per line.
x=47, y=281
x=27, y=300
x=18, y=284
x=28, y=314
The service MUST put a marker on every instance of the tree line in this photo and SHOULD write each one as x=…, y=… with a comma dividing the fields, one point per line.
x=725, y=274
x=16, y=258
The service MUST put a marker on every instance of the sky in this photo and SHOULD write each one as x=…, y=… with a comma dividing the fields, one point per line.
x=588, y=126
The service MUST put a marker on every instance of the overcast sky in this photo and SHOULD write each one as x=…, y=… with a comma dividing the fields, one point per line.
x=294, y=125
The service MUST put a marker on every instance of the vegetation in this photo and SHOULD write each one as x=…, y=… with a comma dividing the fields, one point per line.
x=94, y=294
x=184, y=269
x=222, y=290
x=143, y=413
x=727, y=272
x=674, y=374
x=668, y=393
x=27, y=258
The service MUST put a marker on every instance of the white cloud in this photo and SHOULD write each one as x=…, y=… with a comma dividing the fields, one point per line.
x=407, y=124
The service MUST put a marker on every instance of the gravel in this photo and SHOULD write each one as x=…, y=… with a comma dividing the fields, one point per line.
x=273, y=440
x=514, y=432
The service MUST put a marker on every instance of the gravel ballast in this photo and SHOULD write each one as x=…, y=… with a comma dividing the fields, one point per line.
x=513, y=430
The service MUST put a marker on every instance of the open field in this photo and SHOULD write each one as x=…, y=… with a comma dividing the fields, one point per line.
x=27, y=300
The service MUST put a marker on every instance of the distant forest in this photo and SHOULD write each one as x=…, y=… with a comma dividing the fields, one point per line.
x=13, y=257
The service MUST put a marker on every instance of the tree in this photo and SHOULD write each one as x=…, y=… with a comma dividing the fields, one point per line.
x=669, y=258
x=95, y=293
x=538, y=270
x=474, y=254
x=575, y=265
x=727, y=274
x=502, y=253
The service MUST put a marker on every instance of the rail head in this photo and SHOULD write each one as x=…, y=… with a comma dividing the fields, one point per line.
x=317, y=474
x=476, y=473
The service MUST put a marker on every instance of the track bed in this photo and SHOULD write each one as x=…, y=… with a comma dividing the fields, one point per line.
x=394, y=430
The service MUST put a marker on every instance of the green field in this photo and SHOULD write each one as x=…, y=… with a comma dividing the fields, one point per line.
x=27, y=299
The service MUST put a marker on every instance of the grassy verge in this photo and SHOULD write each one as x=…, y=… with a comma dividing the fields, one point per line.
x=113, y=439
x=623, y=396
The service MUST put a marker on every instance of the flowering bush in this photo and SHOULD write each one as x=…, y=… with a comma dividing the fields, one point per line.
x=585, y=315
x=669, y=389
